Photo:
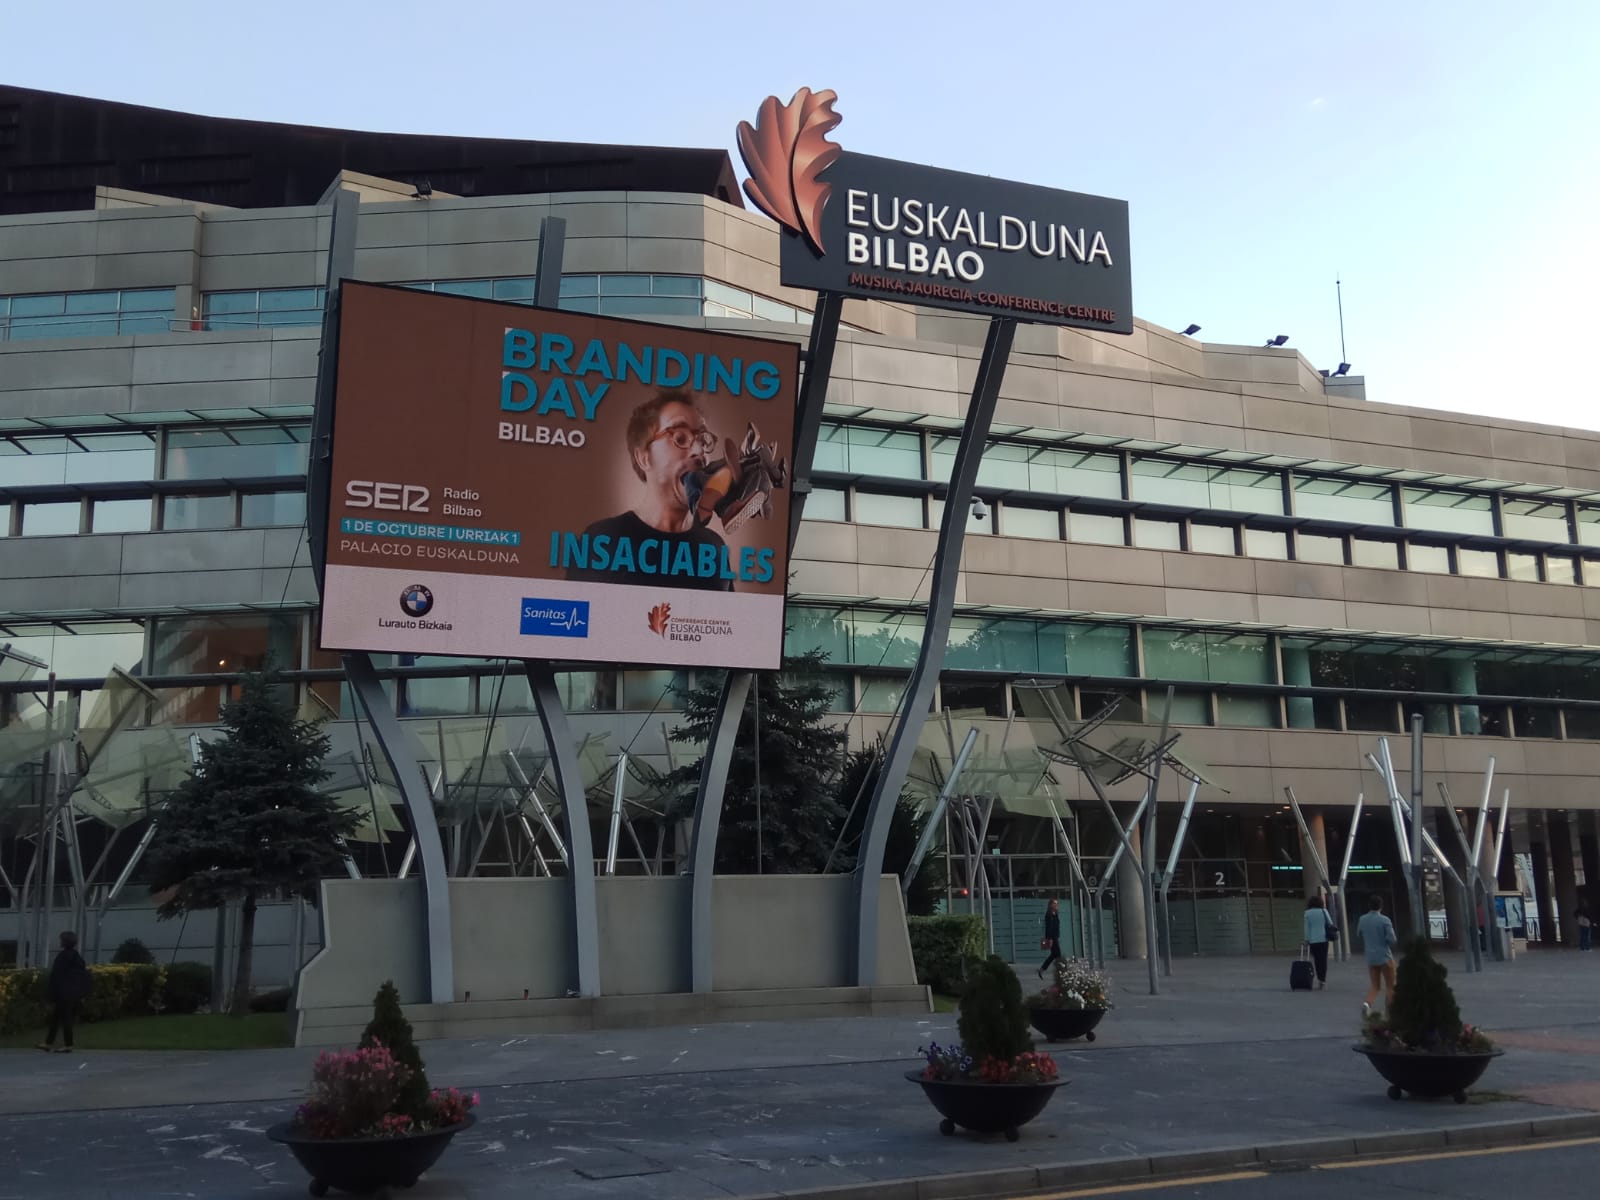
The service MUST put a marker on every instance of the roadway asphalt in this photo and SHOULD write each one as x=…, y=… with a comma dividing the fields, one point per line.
x=1225, y=1064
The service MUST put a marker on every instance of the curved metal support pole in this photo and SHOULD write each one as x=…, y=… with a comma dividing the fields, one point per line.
x=395, y=745
x=707, y=821
x=575, y=815
x=935, y=639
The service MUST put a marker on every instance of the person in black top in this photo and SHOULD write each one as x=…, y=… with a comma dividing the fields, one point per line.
x=66, y=989
x=667, y=440
x=1052, y=935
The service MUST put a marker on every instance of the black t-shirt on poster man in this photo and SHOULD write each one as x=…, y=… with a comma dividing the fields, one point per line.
x=629, y=526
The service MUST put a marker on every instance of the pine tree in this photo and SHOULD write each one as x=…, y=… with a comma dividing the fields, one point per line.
x=906, y=824
x=248, y=820
x=390, y=1028
x=993, y=1022
x=1425, y=1013
x=800, y=755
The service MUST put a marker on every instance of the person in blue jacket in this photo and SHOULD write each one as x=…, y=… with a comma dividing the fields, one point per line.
x=1052, y=936
x=1319, y=931
x=1378, y=940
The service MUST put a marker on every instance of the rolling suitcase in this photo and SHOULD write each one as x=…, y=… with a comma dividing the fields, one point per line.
x=1301, y=976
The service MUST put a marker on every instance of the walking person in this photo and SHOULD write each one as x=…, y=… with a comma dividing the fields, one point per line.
x=1585, y=927
x=1378, y=940
x=1319, y=931
x=66, y=989
x=1052, y=936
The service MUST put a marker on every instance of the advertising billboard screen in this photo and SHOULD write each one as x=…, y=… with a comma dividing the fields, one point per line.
x=526, y=483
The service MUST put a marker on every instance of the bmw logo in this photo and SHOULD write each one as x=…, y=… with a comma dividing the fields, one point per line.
x=416, y=601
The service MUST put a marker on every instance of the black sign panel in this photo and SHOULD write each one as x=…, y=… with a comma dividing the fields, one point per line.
x=892, y=230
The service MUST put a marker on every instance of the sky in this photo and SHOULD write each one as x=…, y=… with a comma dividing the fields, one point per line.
x=1440, y=159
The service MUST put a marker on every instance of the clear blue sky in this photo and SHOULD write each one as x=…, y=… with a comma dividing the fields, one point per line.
x=1443, y=159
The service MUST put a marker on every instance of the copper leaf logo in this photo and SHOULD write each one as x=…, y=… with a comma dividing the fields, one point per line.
x=658, y=618
x=785, y=151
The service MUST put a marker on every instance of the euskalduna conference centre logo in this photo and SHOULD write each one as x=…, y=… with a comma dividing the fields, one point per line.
x=416, y=601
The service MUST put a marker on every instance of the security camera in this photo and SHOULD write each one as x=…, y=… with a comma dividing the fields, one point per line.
x=980, y=510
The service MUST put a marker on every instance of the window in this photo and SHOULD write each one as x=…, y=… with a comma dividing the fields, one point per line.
x=825, y=504
x=1318, y=548
x=866, y=450
x=1536, y=520
x=975, y=523
x=80, y=650
x=1266, y=543
x=1018, y=520
x=979, y=695
x=1198, y=485
x=439, y=696
x=262, y=308
x=1370, y=715
x=724, y=301
x=990, y=644
x=1187, y=708
x=197, y=512
x=1044, y=469
x=1560, y=568
x=882, y=695
x=1157, y=535
x=1421, y=556
x=1484, y=563
x=1522, y=566
x=196, y=645
x=1212, y=539
x=120, y=516
x=880, y=639
x=86, y=314
x=1098, y=650
x=51, y=518
x=236, y=451
x=1588, y=525
x=77, y=458
x=272, y=508
x=1369, y=552
x=879, y=508
x=1360, y=502
x=1101, y=530
x=660, y=690
x=1448, y=512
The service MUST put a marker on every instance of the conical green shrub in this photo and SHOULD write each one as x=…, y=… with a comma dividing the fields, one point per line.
x=1424, y=1014
x=993, y=1022
x=390, y=1027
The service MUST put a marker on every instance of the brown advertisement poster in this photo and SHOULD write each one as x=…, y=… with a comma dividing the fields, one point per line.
x=511, y=481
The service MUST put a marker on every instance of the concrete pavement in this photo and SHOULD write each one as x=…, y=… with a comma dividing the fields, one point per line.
x=1225, y=1063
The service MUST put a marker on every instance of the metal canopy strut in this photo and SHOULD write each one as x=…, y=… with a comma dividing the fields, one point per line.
x=736, y=685
x=935, y=639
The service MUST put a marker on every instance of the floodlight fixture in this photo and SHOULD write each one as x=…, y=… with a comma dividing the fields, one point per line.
x=1279, y=340
x=1191, y=331
x=424, y=190
x=1343, y=369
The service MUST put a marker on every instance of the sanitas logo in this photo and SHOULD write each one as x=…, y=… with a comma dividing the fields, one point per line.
x=554, y=618
x=416, y=601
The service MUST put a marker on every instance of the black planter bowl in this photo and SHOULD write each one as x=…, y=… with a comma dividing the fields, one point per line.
x=365, y=1164
x=1064, y=1024
x=1432, y=1075
x=986, y=1107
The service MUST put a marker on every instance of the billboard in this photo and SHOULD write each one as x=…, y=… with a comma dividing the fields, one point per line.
x=889, y=230
x=526, y=483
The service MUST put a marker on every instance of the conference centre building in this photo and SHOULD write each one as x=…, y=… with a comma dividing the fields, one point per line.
x=1301, y=570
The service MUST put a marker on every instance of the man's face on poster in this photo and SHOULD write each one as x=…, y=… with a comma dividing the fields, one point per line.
x=680, y=443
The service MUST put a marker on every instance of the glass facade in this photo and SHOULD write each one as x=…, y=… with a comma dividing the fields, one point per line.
x=86, y=314
x=616, y=295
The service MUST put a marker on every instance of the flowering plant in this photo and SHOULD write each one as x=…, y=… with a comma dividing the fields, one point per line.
x=1423, y=1017
x=1378, y=1032
x=952, y=1064
x=357, y=1093
x=1078, y=984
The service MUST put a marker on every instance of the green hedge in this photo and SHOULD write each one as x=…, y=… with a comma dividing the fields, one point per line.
x=115, y=991
x=187, y=988
x=941, y=947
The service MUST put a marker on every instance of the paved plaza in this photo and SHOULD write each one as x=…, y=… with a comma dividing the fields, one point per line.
x=1226, y=1059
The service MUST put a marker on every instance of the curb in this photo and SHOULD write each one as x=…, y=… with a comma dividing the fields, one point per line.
x=1154, y=1168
